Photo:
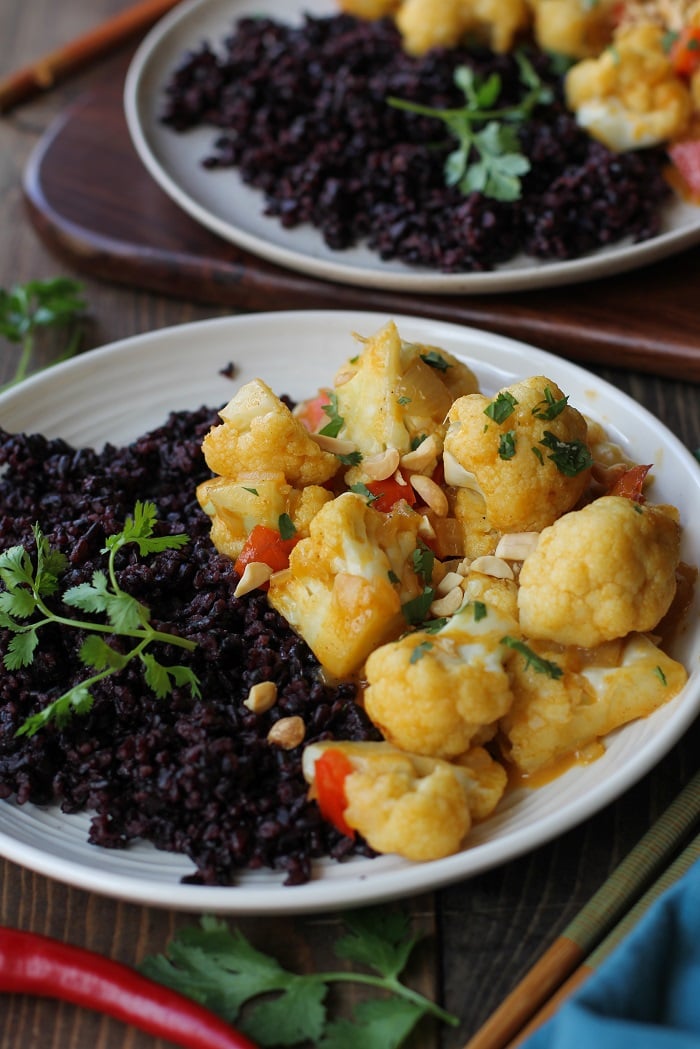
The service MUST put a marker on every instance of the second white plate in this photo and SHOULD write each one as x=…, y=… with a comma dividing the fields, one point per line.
x=221, y=202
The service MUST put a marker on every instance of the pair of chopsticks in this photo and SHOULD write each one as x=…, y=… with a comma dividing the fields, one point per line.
x=46, y=71
x=653, y=865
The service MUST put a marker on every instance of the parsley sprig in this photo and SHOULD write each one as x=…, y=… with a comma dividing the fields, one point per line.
x=488, y=158
x=25, y=308
x=24, y=610
x=221, y=969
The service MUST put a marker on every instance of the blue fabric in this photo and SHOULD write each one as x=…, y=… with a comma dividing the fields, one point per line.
x=646, y=995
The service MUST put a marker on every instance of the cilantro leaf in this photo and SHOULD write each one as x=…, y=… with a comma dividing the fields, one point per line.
x=332, y=428
x=487, y=158
x=25, y=308
x=222, y=970
x=538, y=664
x=376, y=1024
x=378, y=939
x=569, y=457
x=501, y=407
x=27, y=586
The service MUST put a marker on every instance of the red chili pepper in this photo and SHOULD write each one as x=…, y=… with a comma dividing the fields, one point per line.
x=38, y=965
x=388, y=492
x=266, y=545
x=330, y=773
x=630, y=484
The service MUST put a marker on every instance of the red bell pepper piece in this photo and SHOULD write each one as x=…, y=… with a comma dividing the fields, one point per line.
x=39, y=965
x=311, y=413
x=686, y=158
x=685, y=51
x=266, y=544
x=388, y=492
x=630, y=483
x=330, y=772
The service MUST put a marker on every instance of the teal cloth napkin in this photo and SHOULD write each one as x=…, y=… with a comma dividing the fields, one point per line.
x=646, y=995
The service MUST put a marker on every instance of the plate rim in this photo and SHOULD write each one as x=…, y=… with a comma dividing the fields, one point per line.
x=361, y=888
x=531, y=275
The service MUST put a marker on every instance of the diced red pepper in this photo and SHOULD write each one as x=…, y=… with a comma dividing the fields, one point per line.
x=266, y=544
x=311, y=412
x=685, y=51
x=686, y=158
x=330, y=772
x=388, y=492
x=630, y=484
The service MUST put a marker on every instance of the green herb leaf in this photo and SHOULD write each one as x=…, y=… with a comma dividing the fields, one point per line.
x=487, y=158
x=506, y=445
x=539, y=665
x=502, y=407
x=221, y=969
x=286, y=526
x=25, y=308
x=549, y=407
x=27, y=587
x=569, y=457
x=417, y=609
x=435, y=360
x=363, y=490
x=332, y=428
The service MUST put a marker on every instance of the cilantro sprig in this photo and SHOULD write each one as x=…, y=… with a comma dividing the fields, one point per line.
x=24, y=611
x=26, y=308
x=488, y=158
x=221, y=969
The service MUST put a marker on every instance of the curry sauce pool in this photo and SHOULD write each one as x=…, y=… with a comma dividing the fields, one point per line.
x=193, y=776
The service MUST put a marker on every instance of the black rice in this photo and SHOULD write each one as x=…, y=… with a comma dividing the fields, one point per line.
x=192, y=776
x=304, y=118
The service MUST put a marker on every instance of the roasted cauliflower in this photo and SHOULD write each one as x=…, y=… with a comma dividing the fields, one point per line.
x=524, y=450
x=600, y=572
x=572, y=27
x=348, y=580
x=432, y=693
x=629, y=97
x=420, y=808
x=554, y=717
x=395, y=393
x=425, y=24
x=258, y=432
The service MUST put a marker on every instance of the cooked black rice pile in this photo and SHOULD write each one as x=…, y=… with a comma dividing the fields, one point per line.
x=191, y=776
x=304, y=119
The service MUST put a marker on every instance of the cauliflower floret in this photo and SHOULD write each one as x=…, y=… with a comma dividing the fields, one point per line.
x=348, y=580
x=600, y=572
x=425, y=24
x=258, y=432
x=420, y=808
x=525, y=450
x=430, y=693
x=597, y=692
x=573, y=28
x=237, y=505
x=369, y=8
x=396, y=392
x=629, y=97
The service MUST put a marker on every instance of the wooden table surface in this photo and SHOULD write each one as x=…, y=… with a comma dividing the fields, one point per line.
x=482, y=934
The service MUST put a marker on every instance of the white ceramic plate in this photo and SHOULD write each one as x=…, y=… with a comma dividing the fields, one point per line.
x=121, y=391
x=222, y=203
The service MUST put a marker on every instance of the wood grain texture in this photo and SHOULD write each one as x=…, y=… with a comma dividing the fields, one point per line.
x=483, y=934
x=92, y=200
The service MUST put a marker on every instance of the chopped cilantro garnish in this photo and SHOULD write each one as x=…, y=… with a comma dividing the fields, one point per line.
x=506, y=445
x=549, y=407
x=332, y=428
x=502, y=407
x=539, y=665
x=569, y=457
x=286, y=526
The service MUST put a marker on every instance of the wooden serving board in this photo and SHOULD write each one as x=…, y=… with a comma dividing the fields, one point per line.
x=96, y=206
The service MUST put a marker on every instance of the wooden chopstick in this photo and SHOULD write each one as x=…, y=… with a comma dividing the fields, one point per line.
x=592, y=924
x=46, y=71
x=680, y=866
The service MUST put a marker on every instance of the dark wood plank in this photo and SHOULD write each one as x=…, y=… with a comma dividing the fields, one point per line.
x=94, y=204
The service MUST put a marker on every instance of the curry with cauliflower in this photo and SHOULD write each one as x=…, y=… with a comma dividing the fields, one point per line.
x=488, y=567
